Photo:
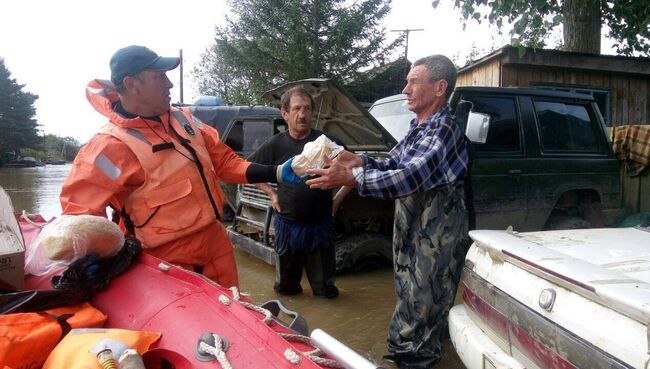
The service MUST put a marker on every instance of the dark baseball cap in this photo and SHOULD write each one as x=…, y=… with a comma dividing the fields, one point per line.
x=133, y=59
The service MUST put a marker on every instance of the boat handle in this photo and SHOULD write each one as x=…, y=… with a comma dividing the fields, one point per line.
x=298, y=323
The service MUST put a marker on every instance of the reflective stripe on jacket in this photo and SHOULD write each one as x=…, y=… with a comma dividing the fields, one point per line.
x=118, y=163
x=178, y=197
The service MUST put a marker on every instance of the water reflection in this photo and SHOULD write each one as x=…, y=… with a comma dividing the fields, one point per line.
x=35, y=190
x=359, y=317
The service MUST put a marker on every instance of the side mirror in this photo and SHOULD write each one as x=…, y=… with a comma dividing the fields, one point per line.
x=477, y=127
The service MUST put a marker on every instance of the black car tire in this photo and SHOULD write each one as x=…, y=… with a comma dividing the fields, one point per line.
x=363, y=250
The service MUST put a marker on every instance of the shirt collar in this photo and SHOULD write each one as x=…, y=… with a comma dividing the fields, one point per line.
x=432, y=120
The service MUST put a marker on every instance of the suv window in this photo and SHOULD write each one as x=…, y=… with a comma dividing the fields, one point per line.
x=246, y=136
x=504, y=134
x=566, y=127
x=394, y=116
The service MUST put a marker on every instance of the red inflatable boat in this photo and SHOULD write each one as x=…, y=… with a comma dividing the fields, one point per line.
x=195, y=314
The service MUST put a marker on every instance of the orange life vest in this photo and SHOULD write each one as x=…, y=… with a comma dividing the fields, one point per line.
x=26, y=339
x=73, y=350
x=176, y=198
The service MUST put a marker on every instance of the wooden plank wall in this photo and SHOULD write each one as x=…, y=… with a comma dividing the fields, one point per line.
x=487, y=74
x=635, y=191
x=630, y=94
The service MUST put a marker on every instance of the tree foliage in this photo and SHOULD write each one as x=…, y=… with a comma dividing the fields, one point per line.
x=60, y=148
x=533, y=21
x=217, y=78
x=265, y=43
x=17, y=115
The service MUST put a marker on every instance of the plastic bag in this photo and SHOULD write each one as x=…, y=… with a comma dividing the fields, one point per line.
x=313, y=155
x=71, y=237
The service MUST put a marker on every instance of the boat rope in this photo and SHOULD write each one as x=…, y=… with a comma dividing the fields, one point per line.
x=289, y=354
x=268, y=317
x=216, y=351
x=26, y=217
x=292, y=356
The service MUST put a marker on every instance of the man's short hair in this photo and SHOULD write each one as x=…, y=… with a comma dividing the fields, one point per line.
x=285, y=100
x=439, y=67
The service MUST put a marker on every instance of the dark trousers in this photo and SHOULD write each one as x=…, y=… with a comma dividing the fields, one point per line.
x=320, y=266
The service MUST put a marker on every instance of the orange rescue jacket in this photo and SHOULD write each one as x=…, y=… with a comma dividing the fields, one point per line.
x=26, y=339
x=178, y=197
x=171, y=190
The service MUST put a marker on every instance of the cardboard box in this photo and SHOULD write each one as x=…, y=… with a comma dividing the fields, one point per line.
x=12, y=246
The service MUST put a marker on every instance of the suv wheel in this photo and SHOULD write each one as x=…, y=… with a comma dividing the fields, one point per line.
x=363, y=250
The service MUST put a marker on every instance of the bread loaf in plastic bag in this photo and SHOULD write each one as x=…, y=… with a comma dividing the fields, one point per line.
x=313, y=155
x=71, y=237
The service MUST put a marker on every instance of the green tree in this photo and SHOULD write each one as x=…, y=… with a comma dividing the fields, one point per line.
x=533, y=21
x=60, y=148
x=17, y=115
x=265, y=43
x=217, y=78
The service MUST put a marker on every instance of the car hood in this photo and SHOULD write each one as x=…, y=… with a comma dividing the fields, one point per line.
x=608, y=265
x=337, y=113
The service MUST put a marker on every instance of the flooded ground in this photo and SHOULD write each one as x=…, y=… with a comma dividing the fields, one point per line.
x=359, y=317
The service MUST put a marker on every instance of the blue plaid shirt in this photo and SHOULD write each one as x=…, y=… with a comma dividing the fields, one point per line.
x=432, y=155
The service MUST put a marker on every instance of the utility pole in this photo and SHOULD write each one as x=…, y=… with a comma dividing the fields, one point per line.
x=406, y=50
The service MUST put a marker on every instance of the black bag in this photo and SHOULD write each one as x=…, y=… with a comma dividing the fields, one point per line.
x=77, y=284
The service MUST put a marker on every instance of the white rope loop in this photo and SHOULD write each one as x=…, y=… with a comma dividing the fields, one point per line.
x=27, y=218
x=292, y=356
x=216, y=351
x=224, y=300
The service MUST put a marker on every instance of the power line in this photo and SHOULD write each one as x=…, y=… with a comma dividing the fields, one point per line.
x=406, y=49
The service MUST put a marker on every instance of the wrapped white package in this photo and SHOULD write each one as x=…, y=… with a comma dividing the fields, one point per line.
x=313, y=155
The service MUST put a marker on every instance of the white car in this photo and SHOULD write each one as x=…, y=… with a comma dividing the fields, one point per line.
x=555, y=299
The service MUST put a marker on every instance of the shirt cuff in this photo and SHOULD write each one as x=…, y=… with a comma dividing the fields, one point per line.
x=359, y=174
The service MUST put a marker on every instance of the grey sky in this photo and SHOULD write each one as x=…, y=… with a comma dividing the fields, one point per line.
x=56, y=47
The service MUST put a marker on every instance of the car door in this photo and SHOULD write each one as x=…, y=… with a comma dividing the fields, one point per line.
x=498, y=175
x=574, y=155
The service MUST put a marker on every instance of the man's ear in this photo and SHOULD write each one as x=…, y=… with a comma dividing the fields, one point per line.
x=442, y=88
x=285, y=114
x=128, y=82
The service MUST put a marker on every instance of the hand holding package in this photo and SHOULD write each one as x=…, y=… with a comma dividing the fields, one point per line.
x=313, y=155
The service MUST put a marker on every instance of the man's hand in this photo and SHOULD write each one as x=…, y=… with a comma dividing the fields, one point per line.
x=334, y=175
x=349, y=160
x=286, y=175
x=275, y=201
x=272, y=194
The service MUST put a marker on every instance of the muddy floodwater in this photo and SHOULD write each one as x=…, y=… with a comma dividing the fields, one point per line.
x=359, y=317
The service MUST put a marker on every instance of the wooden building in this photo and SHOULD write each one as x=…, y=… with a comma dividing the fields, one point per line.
x=620, y=85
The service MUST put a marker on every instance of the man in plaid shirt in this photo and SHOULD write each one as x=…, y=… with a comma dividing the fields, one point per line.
x=425, y=174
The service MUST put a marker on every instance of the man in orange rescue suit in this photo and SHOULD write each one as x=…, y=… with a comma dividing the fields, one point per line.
x=159, y=166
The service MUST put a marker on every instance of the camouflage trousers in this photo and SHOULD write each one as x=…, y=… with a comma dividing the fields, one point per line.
x=428, y=250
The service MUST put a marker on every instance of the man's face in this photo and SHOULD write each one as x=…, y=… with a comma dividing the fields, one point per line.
x=151, y=90
x=420, y=92
x=298, y=117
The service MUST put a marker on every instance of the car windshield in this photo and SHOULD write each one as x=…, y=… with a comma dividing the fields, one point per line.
x=394, y=116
